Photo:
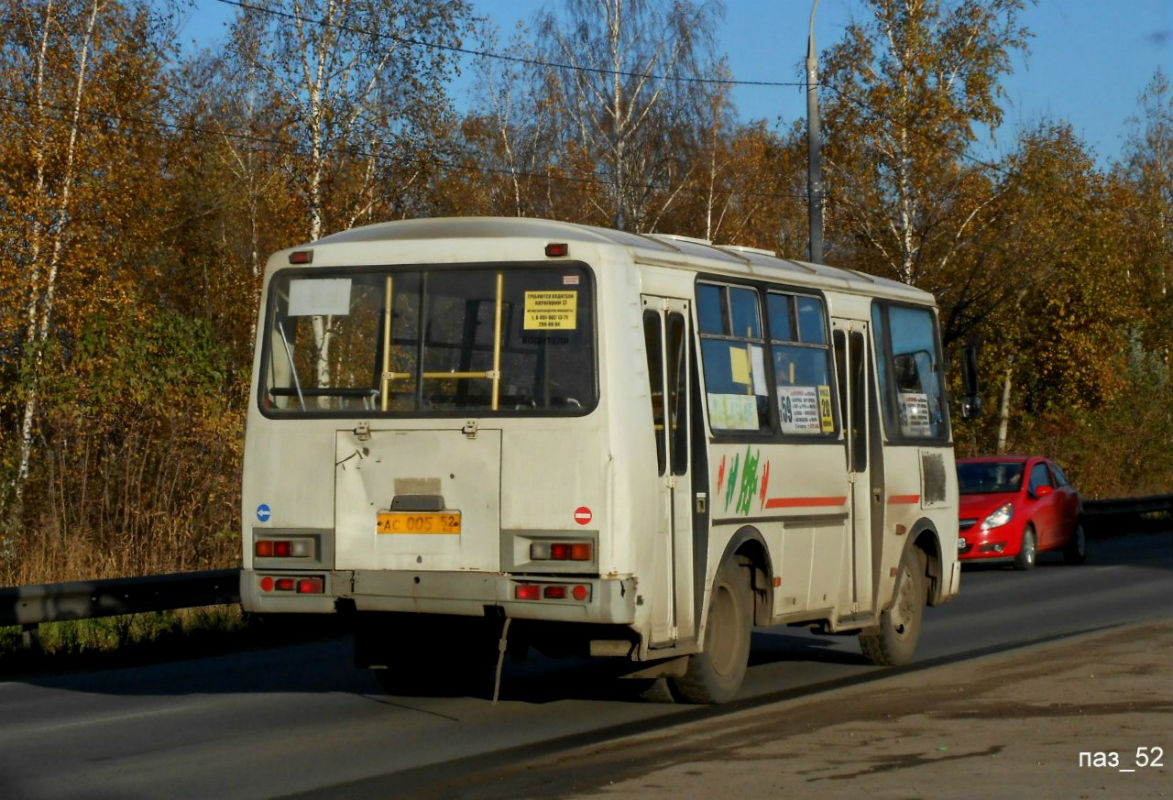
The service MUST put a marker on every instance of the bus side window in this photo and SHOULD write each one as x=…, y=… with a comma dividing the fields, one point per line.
x=653, y=343
x=733, y=355
x=802, y=364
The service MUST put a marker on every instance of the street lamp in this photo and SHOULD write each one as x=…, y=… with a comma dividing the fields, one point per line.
x=814, y=180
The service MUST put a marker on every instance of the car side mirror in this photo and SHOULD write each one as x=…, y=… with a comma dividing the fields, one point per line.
x=1042, y=491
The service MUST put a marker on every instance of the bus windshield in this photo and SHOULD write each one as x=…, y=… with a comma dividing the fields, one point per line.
x=508, y=339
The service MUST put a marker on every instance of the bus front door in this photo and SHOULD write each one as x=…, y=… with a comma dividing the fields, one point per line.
x=667, y=338
x=864, y=465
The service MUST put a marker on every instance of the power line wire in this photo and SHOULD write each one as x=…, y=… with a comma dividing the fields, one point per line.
x=490, y=54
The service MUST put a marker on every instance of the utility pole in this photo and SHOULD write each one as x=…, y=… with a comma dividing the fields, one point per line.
x=814, y=180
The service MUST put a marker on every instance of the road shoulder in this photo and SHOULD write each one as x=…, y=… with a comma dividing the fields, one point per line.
x=1062, y=720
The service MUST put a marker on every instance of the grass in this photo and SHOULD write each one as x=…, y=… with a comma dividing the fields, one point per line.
x=136, y=639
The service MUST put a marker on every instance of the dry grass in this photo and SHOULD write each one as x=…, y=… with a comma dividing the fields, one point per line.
x=150, y=499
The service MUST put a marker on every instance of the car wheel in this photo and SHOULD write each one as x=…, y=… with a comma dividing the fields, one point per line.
x=1029, y=550
x=894, y=640
x=715, y=674
x=1076, y=550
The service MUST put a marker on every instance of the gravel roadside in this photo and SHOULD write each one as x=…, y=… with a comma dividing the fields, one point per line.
x=1059, y=720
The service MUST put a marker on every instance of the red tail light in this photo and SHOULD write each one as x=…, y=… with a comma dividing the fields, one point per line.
x=284, y=548
x=311, y=586
x=580, y=593
x=560, y=551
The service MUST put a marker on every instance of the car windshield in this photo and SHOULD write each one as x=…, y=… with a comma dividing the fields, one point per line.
x=989, y=477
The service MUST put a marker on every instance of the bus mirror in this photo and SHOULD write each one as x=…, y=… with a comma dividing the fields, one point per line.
x=971, y=402
x=971, y=407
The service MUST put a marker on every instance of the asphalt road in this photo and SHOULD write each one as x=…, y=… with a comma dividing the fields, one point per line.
x=300, y=719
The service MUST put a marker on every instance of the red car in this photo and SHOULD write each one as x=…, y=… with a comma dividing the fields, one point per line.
x=1014, y=507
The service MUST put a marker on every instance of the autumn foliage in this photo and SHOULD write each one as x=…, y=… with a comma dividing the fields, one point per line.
x=142, y=186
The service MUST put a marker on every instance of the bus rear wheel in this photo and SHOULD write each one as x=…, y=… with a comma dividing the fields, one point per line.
x=894, y=640
x=715, y=674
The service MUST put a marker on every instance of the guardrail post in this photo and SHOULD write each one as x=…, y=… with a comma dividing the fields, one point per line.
x=30, y=636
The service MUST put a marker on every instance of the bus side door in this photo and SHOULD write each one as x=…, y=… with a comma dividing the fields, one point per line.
x=667, y=339
x=863, y=453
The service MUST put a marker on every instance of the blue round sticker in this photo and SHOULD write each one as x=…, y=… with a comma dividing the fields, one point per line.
x=264, y=512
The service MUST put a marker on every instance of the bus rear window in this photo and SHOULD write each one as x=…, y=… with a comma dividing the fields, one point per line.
x=437, y=341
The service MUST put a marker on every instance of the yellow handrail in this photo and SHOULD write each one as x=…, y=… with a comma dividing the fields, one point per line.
x=385, y=388
x=497, y=341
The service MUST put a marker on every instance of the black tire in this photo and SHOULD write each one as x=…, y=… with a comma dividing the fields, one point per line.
x=1029, y=552
x=893, y=642
x=1076, y=550
x=714, y=675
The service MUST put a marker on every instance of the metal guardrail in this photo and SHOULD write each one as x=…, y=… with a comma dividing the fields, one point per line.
x=56, y=602
x=1111, y=517
x=1156, y=503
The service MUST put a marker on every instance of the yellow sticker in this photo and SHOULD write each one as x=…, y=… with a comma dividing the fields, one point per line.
x=739, y=365
x=826, y=416
x=551, y=311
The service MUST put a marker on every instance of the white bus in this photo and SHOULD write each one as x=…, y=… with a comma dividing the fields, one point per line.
x=620, y=445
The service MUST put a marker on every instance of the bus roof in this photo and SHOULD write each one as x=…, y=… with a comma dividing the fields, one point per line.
x=652, y=249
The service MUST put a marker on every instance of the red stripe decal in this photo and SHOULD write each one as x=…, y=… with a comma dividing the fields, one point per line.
x=904, y=499
x=805, y=502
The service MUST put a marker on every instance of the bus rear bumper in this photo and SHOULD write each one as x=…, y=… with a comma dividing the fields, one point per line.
x=607, y=601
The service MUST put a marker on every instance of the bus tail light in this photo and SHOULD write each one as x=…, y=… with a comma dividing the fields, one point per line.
x=297, y=585
x=560, y=551
x=579, y=592
x=311, y=586
x=283, y=548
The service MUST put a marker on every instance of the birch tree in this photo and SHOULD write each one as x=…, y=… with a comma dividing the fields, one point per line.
x=630, y=95
x=49, y=53
x=907, y=92
x=80, y=206
x=365, y=98
x=1148, y=167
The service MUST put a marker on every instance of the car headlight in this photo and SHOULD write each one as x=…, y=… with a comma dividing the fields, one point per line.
x=999, y=517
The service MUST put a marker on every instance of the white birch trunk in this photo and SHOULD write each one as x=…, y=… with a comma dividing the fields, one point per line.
x=1004, y=409
x=42, y=298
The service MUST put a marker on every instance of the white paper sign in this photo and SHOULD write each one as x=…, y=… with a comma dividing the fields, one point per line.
x=733, y=412
x=914, y=414
x=798, y=409
x=313, y=297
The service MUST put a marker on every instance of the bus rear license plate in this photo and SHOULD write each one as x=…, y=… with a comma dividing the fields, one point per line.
x=418, y=522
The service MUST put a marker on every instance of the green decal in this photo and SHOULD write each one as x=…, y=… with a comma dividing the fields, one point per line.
x=732, y=481
x=749, y=481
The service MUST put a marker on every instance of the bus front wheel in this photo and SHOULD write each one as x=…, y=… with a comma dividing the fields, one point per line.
x=715, y=674
x=894, y=640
